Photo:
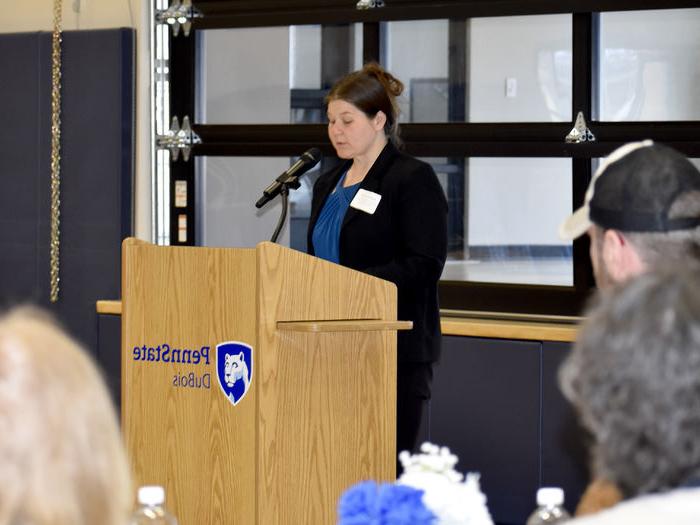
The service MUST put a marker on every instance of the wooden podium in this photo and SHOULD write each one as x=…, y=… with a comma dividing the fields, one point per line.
x=320, y=410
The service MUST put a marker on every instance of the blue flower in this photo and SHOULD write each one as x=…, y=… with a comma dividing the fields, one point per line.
x=368, y=503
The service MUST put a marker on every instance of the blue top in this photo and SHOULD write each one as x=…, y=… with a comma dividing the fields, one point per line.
x=326, y=234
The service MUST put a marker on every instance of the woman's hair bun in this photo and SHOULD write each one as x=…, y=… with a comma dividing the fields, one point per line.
x=392, y=84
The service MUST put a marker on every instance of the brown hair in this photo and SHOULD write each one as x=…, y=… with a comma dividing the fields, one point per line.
x=62, y=456
x=372, y=89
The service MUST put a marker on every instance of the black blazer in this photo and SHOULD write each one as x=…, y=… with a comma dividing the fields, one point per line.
x=404, y=241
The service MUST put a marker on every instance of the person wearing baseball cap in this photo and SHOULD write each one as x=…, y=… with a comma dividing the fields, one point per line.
x=641, y=210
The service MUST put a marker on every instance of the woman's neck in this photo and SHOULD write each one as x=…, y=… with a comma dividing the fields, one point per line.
x=363, y=163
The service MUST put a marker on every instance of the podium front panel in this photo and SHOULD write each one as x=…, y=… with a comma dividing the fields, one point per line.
x=328, y=420
x=327, y=400
x=181, y=431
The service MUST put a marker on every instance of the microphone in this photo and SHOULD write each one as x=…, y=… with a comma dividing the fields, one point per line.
x=290, y=177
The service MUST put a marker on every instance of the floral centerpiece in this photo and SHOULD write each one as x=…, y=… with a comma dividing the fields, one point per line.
x=429, y=492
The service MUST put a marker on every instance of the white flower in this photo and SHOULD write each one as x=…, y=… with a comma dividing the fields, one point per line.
x=454, y=502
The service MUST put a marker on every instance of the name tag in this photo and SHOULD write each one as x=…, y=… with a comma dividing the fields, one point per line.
x=366, y=201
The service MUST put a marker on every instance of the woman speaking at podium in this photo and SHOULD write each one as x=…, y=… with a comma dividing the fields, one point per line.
x=384, y=213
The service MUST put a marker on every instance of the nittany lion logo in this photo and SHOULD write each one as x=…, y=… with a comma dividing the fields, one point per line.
x=234, y=367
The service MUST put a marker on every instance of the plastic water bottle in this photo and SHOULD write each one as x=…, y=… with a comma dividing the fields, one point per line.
x=550, y=509
x=151, y=509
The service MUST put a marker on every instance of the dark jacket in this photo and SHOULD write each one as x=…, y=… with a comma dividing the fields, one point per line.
x=404, y=241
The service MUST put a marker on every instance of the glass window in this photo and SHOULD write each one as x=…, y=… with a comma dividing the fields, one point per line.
x=504, y=214
x=649, y=66
x=511, y=213
x=422, y=68
x=227, y=189
x=272, y=75
x=505, y=69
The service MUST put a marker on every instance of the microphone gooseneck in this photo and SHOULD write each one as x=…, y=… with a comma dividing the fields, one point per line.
x=290, y=178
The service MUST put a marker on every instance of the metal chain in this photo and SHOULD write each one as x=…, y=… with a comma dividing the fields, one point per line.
x=55, y=148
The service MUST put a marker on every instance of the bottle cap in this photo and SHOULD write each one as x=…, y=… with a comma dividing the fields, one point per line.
x=151, y=495
x=549, y=496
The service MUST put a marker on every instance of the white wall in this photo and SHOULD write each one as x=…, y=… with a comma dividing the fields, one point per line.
x=37, y=15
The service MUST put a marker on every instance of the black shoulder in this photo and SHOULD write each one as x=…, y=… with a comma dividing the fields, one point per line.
x=411, y=169
x=416, y=177
x=406, y=165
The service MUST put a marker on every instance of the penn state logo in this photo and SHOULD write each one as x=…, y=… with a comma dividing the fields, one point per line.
x=234, y=368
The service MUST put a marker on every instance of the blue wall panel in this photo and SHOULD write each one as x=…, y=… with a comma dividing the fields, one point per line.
x=486, y=409
x=97, y=151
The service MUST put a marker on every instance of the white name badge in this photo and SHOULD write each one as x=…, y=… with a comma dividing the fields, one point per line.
x=366, y=201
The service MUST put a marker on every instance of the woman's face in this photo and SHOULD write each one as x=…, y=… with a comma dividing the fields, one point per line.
x=352, y=133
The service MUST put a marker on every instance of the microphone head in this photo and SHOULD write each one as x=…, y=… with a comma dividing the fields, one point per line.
x=312, y=155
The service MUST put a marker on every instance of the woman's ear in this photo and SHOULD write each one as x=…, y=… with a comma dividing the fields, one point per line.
x=379, y=120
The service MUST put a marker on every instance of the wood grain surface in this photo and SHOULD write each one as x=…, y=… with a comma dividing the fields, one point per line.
x=191, y=440
x=320, y=414
x=327, y=400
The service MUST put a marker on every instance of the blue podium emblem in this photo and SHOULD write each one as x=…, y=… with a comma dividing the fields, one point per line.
x=234, y=369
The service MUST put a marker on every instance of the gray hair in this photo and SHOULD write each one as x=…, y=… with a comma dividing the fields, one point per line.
x=634, y=378
x=673, y=247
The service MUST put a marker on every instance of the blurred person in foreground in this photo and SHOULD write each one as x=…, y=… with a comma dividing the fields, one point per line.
x=634, y=379
x=384, y=213
x=63, y=462
x=641, y=210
